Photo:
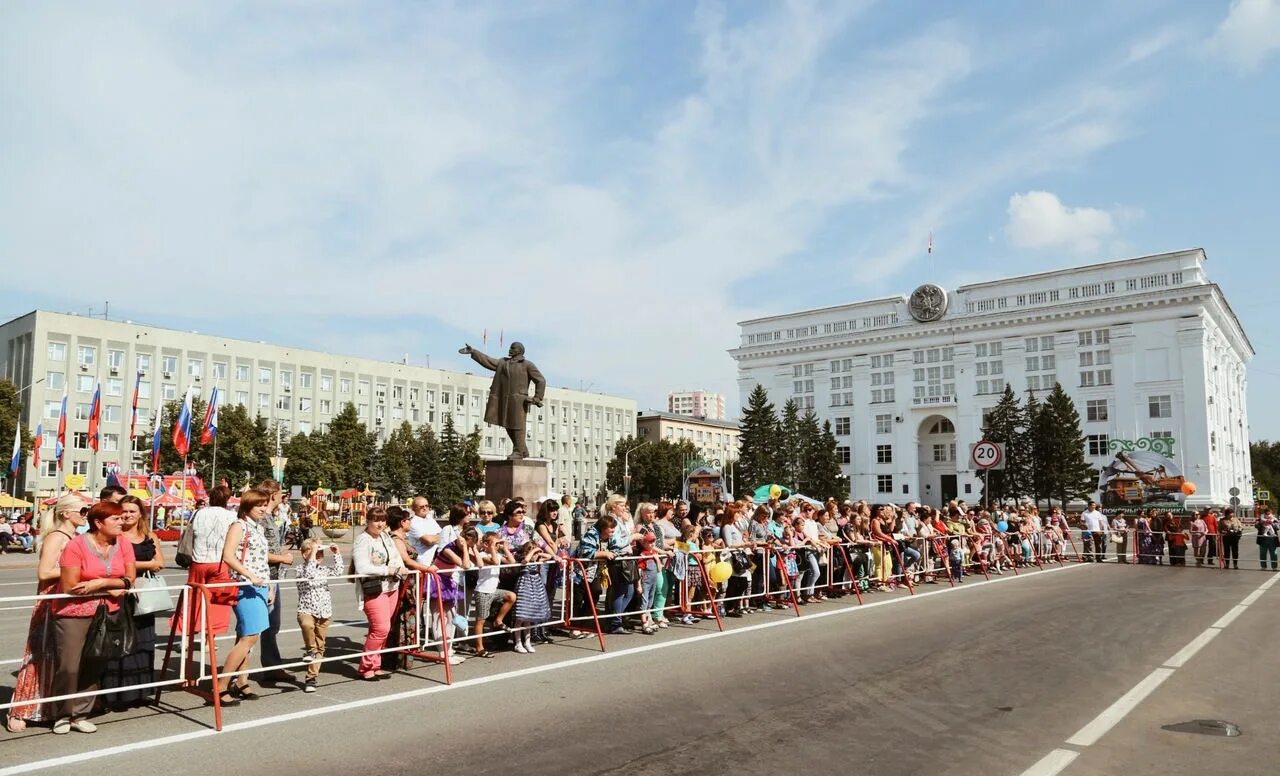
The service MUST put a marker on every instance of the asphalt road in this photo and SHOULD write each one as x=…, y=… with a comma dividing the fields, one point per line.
x=988, y=678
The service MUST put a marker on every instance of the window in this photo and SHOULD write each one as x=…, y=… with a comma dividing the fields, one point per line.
x=842, y=426
x=446, y=399
x=326, y=406
x=942, y=453
x=242, y=373
x=82, y=410
x=84, y=383
x=304, y=404
x=87, y=355
x=49, y=468
x=168, y=391
x=80, y=440
x=144, y=389
x=415, y=394
x=55, y=381
x=362, y=388
x=264, y=375
x=80, y=467
x=48, y=439
x=326, y=383
x=264, y=401
x=344, y=385
x=110, y=443
x=115, y=386
x=115, y=359
x=52, y=409
x=304, y=379
x=842, y=454
x=169, y=364
x=144, y=362
x=1096, y=410
x=884, y=424
x=1097, y=444
x=884, y=483
x=56, y=351
x=286, y=378
x=1162, y=435
x=1160, y=406
x=282, y=403
x=219, y=370
x=362, y=410
x=884, y=453
x=242, y=398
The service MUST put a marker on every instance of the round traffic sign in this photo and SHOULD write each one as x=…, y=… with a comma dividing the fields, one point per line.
x=1235, y=501
x=986, y=455
x=1233, y=492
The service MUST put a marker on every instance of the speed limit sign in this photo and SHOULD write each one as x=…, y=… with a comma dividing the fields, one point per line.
x=987, y=455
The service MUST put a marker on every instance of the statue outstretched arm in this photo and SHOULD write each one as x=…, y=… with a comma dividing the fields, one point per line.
x=488, y=362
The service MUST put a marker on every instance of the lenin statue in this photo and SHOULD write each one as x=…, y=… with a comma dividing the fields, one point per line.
x=509, y=398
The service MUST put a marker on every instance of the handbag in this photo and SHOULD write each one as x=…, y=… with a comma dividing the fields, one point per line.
x=150, y=595
x=227, y=596
x=186, y=546
x=111, y=635
x=626, y=570
x=740, y=561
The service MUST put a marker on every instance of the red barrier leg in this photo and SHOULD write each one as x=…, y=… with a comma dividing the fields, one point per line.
x=786, y=580
x=711, y=595
x=848, y=566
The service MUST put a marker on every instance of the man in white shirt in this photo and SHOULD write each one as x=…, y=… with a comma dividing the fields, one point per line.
x=1095, y=537
x=424, y=531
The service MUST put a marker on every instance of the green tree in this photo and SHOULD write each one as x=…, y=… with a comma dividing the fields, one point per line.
x=1264, y=456
x=395, y=463
x=1007, y=424
x=425, y=461
x=353, y=447
x=199, y=457
x=657, y=468
x=1069, y=475
x=790, y=440
x=449, y=486
x=311, y=461
x=1040, y=428
x=822, y=467
x=10, y=418
x=758, y=440
x=472, y=463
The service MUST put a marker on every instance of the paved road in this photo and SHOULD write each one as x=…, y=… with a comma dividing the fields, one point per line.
x=988, y=678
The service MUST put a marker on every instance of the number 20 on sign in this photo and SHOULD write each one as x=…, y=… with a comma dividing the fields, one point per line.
x=987, y=455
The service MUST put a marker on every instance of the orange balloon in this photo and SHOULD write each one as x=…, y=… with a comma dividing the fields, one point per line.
x=1189, y=488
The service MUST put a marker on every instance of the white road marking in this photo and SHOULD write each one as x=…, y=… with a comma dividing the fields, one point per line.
x=140, y=745
x=1104, y=722
x=1098, y=727
x=1189, y=651
x=1052, y=763
x=1231, y=616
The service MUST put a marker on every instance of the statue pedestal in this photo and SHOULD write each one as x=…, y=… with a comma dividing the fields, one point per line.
x=528, y=478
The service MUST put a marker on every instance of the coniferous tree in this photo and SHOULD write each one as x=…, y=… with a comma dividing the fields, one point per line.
x=395, y=463
x=449, y=487
x=757, y=458
x=425, y=461
x=823, y=468
x=472, y=464
x=353, y=447
x=790, y=446
x=1070, y=475
x=1007, y=424
x=1039, y=429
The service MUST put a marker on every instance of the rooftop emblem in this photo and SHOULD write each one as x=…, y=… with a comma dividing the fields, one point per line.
x=928, y=303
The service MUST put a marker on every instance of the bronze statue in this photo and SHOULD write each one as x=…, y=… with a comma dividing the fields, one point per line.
x=509, y=398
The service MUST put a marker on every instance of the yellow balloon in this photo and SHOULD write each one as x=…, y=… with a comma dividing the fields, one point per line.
x=775, y=491
x=720, y=572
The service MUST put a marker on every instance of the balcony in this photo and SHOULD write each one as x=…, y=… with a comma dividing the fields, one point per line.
x=933, y=401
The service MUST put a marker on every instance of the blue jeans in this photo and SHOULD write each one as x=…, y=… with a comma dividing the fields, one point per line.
x=809, y=571
x=271, y=650
x=620, y=595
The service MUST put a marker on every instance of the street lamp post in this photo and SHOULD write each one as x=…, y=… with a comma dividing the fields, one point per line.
x=626, y=470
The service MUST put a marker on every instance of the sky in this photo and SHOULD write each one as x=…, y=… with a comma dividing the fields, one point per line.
x=618, y=184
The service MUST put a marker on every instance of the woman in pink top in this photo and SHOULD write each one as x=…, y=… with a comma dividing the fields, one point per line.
x=97, y=569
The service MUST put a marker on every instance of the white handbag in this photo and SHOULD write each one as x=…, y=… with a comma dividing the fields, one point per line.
x=151, y=595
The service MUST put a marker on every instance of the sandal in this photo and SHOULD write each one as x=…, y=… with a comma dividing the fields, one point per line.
x=225, y=699
x=15, y=724
x=484, y=653
x=242, y=692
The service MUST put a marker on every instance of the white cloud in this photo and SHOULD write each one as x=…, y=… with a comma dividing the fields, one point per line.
x=1249, y=34
x=1038, y=219
x=417, y=167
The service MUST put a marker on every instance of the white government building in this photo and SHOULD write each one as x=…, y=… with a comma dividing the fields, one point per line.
x=1148, y=348
x=302, y=389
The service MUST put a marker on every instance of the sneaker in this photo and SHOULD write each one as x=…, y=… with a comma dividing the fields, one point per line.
x=688, y=619
x=63, y=726
x=309, y=656
x=456, y=660
x=519, y=647
x=618, y=632
x=528, y=647
x=309, y=685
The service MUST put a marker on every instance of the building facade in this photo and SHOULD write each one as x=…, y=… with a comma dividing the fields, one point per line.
x=696, y=404
x=301, y=389
x=716, y=440
x=1148, y=348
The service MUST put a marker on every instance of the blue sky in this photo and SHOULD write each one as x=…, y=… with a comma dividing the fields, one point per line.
x=619, y=184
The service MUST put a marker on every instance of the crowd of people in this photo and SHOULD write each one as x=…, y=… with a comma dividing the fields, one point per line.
x=481, y=577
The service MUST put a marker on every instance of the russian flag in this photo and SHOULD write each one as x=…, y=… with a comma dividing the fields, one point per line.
x=133, y=420
x=182, y=426
x=210, y=419
x=95, y=415
x=16, y=460
x=155, y=441
x=60, y=446
x=35, y=449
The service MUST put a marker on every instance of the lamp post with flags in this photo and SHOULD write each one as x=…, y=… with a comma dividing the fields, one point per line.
x=210, y=431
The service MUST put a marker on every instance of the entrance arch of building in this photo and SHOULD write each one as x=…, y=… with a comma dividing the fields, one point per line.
x=936, y=450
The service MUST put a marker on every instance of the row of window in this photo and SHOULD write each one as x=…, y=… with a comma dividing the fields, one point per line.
x=1085, y=291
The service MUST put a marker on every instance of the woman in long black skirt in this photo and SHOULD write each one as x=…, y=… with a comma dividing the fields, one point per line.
x=137, y=668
